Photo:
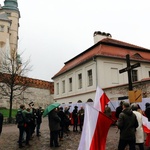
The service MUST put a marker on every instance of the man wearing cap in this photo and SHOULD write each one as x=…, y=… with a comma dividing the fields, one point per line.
x=127, y=123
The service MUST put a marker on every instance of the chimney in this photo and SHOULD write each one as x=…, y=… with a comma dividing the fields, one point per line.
x=98, y=36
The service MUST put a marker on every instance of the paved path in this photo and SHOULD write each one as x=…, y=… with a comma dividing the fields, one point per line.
x=9, y=137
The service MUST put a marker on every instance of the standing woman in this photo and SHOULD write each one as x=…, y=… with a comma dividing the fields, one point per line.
x=139, y=130
x=75, y=119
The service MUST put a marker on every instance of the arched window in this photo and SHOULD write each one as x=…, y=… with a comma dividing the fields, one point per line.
x=79, y=101
x=89, y=100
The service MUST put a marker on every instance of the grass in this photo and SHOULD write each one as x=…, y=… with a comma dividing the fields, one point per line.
x=5, y=112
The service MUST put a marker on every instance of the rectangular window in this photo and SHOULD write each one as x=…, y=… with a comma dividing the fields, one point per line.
x=134, y=75
x=63, y=86
x=80, y=81
x=1, y=28
x=70, y=84
x=57, y=88
x=114, y=75
x=90, y=78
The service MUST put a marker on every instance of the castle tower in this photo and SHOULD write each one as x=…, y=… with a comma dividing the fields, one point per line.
x=9, y=25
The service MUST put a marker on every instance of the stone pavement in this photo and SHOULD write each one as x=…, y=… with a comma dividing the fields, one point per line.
x=9, y=137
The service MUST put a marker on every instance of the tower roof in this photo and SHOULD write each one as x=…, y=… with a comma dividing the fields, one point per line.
x=11, y=4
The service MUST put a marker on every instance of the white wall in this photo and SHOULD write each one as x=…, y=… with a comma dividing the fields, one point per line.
x=106, y=75
x=74, y=74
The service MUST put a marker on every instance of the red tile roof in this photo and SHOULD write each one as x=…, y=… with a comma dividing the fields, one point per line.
x=107, y=47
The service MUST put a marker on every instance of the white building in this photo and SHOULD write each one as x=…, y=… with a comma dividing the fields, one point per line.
x=99, y=65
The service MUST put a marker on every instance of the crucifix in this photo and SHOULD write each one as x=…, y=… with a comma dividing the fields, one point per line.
x=129, y=68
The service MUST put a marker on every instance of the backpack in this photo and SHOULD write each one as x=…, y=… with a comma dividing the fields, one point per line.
x=19, y=118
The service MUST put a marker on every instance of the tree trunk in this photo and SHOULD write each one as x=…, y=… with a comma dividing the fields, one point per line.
x=10, y=108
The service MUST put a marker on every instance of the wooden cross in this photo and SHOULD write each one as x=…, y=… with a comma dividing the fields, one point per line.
x=129, y=68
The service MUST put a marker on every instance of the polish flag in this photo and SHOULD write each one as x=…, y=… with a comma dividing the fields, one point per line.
x=101, y=100
x=95, y=129
x=146, y=128
x=146, y=124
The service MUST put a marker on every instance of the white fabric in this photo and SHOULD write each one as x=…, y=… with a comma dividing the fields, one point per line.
x=90, y=121
x=145, y=121
x=139, y=130
x=98, y=95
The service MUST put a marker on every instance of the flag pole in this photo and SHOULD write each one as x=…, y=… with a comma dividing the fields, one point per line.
x=112, y=105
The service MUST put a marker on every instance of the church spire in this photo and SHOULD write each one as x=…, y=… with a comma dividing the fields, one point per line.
x=11, y=4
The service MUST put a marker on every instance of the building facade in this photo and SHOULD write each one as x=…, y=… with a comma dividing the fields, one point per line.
x=99, y=65
x=9, y=27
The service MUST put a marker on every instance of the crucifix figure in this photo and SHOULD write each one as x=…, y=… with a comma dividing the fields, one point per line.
x=129, y=68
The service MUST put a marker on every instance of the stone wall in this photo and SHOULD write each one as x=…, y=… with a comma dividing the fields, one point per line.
x=122, y=90
x=39, y=92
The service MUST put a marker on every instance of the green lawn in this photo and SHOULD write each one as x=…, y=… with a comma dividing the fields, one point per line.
x=5, y=112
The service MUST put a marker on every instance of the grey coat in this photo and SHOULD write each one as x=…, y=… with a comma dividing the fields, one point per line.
x=127, y=123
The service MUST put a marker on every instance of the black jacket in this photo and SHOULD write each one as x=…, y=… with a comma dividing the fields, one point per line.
x=54, y=121
x=118, y=111
x=147, y=113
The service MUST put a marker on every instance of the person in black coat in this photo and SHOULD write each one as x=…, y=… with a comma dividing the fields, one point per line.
x=54, y=126
x=118, y=110
x=127, y=123
x=62, y=116
x=147, y=111
x=39, y=114
x=75, y=119
x=1, y=122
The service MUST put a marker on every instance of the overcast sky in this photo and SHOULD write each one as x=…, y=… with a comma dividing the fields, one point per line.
x=53, y=31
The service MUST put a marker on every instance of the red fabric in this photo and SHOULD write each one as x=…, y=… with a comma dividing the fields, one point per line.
x=146, y=130
x=101, y=131
x=103, y=101
x=147, y=142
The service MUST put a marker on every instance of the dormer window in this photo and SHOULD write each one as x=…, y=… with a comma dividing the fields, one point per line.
x=1, y=28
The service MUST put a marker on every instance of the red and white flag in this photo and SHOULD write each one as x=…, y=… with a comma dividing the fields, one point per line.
x=146, y=124
x=95, y=130
x=101, y=100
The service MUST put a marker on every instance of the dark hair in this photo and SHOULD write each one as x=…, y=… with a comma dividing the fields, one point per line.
x=60, y=108
x=134, y=107
x=121, y=103
x=22, y=106
x=147, y=104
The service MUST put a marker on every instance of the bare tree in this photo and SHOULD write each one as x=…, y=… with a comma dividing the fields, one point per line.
x=12, y=78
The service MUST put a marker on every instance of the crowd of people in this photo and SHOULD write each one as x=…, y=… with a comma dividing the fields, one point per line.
x=130, y=124
x=60, y=119
x=28, y=122
x=128, y=120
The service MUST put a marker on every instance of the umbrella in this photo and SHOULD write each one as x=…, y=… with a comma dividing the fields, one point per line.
x=50, y=108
